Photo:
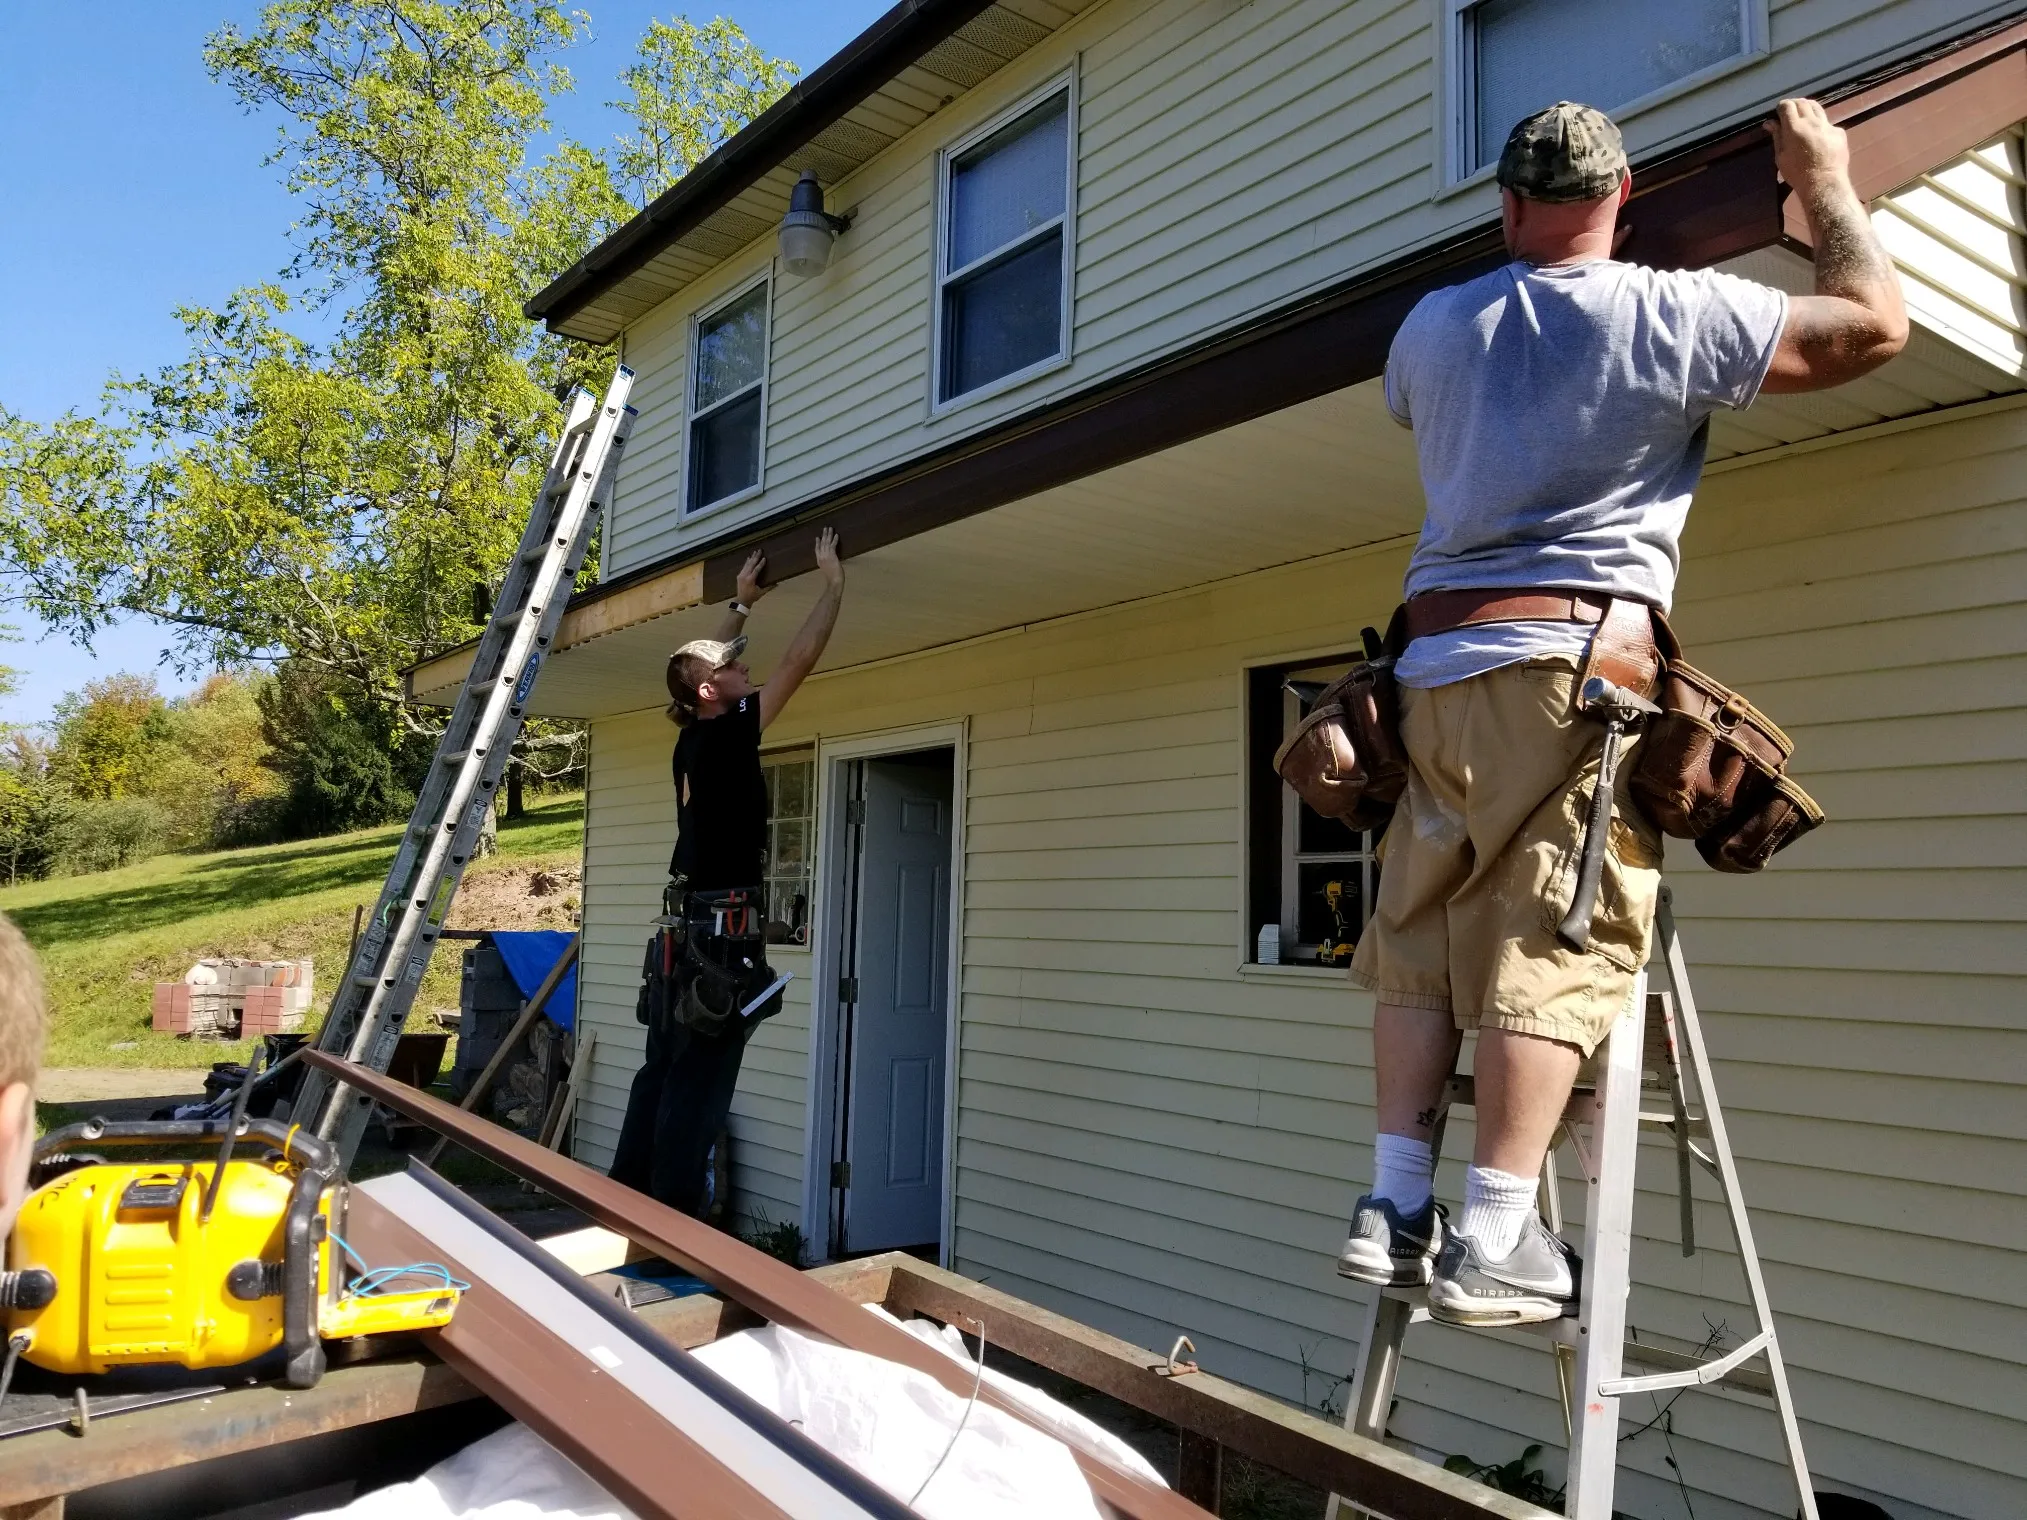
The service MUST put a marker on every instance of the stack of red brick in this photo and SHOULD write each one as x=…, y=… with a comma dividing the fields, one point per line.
x=235, y=999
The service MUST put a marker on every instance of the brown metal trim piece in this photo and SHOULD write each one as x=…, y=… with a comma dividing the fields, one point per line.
x=1910, y=125
x=770, y=1288
x=1372, y=1474
x=397, y=1383
x=641, y=1457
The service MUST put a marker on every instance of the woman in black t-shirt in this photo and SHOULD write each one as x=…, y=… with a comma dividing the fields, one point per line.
x=683, y=1091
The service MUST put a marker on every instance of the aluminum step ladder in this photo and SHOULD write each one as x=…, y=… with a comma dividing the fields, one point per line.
x=1642, y=1056
x=373, y=1000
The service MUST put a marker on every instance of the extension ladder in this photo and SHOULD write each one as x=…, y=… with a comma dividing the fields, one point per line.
x=373, y=1000
x=1591, y=1349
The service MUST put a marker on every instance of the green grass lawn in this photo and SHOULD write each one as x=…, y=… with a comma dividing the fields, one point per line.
x=107, y=938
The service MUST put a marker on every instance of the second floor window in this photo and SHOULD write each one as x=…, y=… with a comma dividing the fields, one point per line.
x=728, y=399
x=1511, y=58
x=1003, y=264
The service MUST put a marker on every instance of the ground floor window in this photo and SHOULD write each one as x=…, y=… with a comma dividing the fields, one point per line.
x=791, y=842
x=1310, y=880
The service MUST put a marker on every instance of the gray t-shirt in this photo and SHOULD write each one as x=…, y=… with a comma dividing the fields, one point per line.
x=1561, y=416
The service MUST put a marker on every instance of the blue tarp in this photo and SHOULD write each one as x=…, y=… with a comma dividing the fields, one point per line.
x=529, y=954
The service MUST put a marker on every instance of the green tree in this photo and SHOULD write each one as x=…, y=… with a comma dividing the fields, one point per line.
x=108, y=737
x=332, y=507
x=344, y=763
x=689, y=89
x=212, y=776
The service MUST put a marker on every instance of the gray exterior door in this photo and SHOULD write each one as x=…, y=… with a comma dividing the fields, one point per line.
x=895, y=1139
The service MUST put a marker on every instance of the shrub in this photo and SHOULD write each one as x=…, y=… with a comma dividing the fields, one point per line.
x=104, y=834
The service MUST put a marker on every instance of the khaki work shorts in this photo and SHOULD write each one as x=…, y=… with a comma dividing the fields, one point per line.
x=1480, y=862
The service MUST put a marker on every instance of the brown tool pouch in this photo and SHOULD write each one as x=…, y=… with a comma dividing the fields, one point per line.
x=1345, y=758
x=1712, y=768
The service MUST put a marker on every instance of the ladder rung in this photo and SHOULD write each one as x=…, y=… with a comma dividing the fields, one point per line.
x=530, y=556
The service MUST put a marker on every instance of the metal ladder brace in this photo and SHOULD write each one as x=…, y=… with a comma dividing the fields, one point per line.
x=372, y=1002
x=1591, y=1349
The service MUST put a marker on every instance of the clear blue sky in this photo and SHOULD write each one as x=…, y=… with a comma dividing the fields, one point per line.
x=132, y=184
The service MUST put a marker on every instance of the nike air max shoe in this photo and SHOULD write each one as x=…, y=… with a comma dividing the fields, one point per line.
x=1537, y=1281
x=1388, y=1250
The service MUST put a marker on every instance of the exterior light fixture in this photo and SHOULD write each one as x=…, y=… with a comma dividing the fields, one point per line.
x=808, y=230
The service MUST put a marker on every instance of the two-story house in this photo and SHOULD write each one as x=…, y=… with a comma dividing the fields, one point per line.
x=1088, y=387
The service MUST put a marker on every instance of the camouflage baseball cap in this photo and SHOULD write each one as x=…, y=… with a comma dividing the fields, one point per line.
x=1569, y=152
x=710, y=653
x=713, y=653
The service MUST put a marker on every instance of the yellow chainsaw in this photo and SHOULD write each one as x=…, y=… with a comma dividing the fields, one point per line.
x=197, y=1262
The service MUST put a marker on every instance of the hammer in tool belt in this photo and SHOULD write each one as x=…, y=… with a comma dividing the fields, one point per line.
x=1620, y=710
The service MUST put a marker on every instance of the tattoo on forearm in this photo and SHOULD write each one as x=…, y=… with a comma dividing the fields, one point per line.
x=1849, y=258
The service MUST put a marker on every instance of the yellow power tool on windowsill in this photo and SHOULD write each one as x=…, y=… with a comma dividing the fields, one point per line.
x=197, y=1263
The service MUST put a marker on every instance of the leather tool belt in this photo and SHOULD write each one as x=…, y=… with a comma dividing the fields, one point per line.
x=708, y=957
x=1712, y=767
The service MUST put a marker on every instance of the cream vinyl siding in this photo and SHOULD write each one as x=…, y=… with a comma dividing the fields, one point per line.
x=629, y=830
x=1230, y=158
x=1156, y=1143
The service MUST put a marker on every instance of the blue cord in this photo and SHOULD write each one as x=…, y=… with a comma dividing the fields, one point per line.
x=375, y=1280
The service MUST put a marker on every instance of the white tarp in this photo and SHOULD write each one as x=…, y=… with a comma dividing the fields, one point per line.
x=891, y=1423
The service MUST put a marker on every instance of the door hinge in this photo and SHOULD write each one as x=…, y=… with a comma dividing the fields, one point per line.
x=848, y=989
x=855, y=812
x=841, y=1174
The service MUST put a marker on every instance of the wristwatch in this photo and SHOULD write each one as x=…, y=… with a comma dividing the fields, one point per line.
x=741, y=608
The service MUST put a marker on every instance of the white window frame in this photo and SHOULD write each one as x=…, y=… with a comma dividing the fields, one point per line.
x=1458, y=103
x=1360, y=861
x=793, y=754
x=691, y=416
x=1064, y=84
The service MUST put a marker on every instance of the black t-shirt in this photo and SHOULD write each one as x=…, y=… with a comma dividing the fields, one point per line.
x=721, y=817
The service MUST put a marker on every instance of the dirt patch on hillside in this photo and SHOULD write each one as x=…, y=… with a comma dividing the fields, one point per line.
x=519, y=897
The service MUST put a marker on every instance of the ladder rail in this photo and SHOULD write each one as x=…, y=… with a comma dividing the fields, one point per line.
x=367, y=957
x=1734, y=1198
x=371, y=1005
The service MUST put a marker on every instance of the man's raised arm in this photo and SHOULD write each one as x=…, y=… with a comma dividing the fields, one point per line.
x=1855, y=321
x=807, y=647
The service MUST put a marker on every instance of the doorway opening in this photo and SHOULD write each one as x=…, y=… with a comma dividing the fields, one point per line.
x=883, y=1037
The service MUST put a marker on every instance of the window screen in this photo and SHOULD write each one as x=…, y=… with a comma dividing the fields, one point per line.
x=1002, y=278
x=727, y=393
x=1522, y=55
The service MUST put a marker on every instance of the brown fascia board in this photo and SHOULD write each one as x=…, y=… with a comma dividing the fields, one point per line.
x=900, y=37
x=1690, y=209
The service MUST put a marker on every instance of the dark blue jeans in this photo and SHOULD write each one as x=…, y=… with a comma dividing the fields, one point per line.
x=680, y=1100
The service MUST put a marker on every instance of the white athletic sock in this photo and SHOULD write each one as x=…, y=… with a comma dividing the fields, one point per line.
x=1496, y=1206
x=1402, y=1172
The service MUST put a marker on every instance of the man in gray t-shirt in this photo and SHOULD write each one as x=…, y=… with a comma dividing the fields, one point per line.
x=1561, y=407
